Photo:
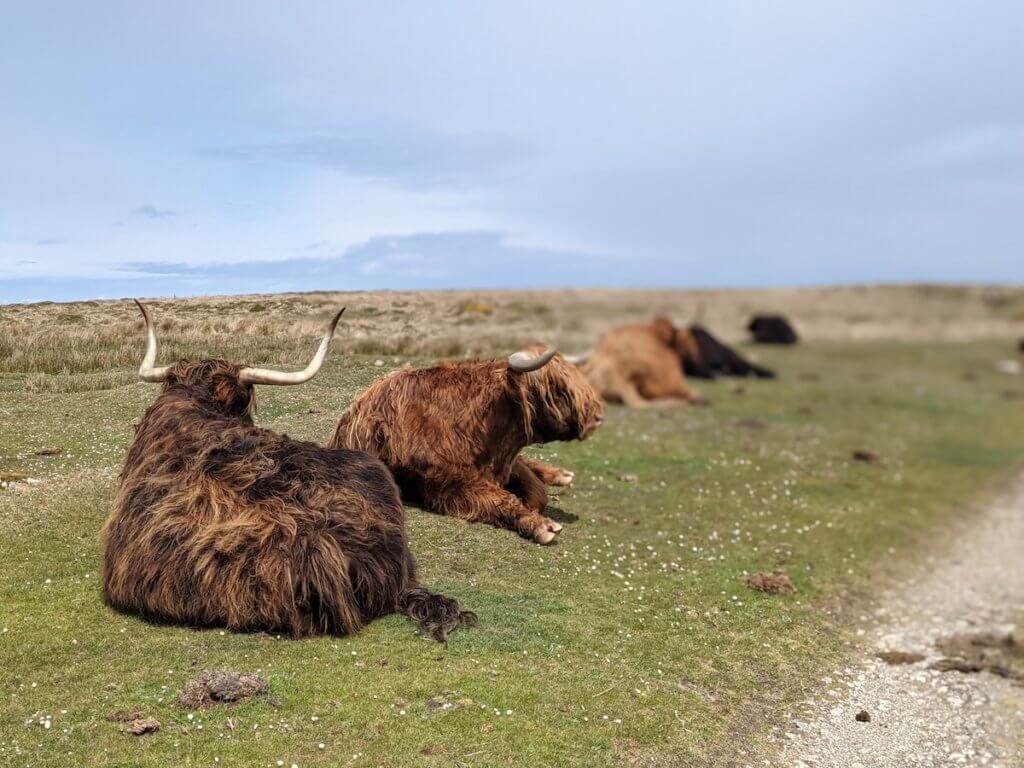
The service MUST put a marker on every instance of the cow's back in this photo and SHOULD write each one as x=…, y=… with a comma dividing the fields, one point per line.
x=228, y=524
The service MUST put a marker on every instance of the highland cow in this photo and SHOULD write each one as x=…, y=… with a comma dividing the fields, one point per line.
x=639, y=365
x=705, y=357
x=772, y=329
x=218, y=522
x=452, y=435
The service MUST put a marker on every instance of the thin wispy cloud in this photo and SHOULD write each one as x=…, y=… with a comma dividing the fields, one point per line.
x=428, y=259
x=424, y=260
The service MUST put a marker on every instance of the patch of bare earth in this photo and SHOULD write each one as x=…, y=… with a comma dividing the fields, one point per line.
x=942, y=665
x=774, y=583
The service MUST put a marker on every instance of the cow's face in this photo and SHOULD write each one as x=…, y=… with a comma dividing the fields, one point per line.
x=562, y=403
x=213, y=383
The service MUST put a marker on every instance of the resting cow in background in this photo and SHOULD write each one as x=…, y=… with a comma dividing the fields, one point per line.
x=639, y=365
x=705, y=357
x=218, y=522
x=452, y=435
x=772, y=329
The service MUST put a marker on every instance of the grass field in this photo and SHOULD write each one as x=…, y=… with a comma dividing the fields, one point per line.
x=632, y=641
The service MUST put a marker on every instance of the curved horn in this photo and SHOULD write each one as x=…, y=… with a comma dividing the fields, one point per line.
x=268, y=376
x=520, y=362
x=579, y=359
x=146, y=371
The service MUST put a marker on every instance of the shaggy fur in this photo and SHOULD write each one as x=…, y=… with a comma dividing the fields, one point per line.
x=639, y=365
x=705, y=357
x=451, y=435
x=218, y=522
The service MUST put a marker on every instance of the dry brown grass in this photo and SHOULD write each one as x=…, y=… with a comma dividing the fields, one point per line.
x=96, y=336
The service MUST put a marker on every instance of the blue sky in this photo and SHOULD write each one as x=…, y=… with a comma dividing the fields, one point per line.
x=193, y=148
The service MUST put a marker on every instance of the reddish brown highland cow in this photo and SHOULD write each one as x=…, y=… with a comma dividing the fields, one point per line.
x=451, y=435
x=219, y=522
x=640, y=365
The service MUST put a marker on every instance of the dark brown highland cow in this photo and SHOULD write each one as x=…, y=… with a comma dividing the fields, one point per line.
x=219, y=522
x=451, y=435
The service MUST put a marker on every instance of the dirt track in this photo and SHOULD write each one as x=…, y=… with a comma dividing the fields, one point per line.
x=920, y=715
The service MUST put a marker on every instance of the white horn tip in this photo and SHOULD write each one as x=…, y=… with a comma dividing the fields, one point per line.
x=520, y=362
x=579, y=359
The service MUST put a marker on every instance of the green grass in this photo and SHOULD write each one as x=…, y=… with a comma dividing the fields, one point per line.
x=633, y=640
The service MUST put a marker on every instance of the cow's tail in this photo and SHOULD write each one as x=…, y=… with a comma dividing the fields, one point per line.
x=436, y=615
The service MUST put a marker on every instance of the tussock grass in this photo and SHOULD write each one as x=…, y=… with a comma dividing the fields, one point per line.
x=94, y=336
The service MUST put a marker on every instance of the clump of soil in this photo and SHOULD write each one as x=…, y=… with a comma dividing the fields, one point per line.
x=774, y=583
x=900, y=657
x=1000, y=654
x=868, y=457
x=138, y=724
x=143, y=725
x=749, y=424
x=863, y=716
x=212, y=688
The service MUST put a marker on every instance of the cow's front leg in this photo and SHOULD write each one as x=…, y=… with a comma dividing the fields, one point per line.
x=524, y=483
x=486, y=502
x=548, y=474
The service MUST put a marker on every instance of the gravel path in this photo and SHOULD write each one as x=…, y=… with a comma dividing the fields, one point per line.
x=921, y=716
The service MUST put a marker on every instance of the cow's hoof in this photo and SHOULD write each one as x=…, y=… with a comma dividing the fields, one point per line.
x=544, y=537
x=564, y=478
x=546, y=531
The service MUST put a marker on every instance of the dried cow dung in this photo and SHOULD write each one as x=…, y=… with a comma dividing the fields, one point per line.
x=212, y=688
x=775, y=583
x=143, y=725
x=868, y=457
x=900, y=657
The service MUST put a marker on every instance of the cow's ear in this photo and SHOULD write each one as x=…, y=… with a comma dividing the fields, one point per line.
x=664, y=330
